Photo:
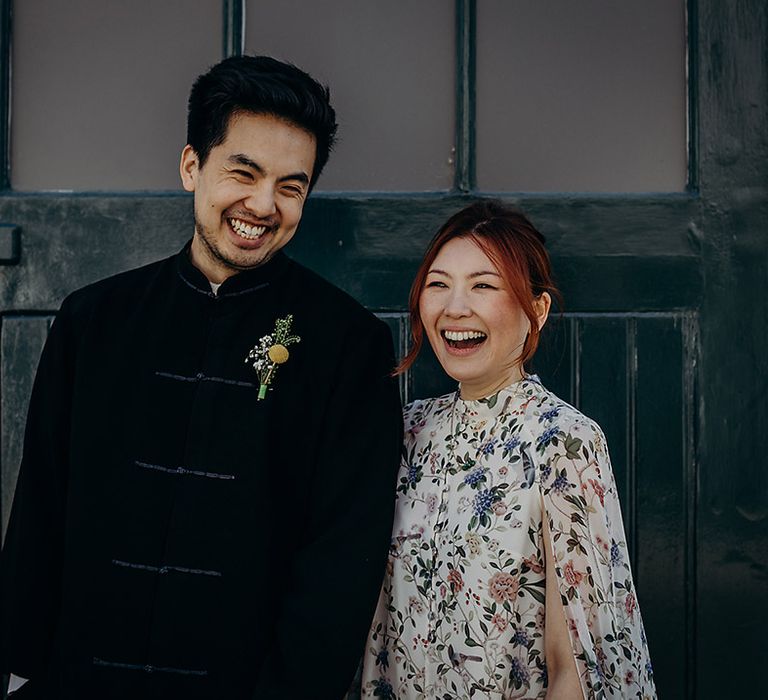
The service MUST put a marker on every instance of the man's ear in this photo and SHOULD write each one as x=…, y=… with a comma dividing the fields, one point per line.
x=189, y=167
x=541, y=306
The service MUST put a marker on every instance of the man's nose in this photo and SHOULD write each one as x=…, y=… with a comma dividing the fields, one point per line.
x=261, y=200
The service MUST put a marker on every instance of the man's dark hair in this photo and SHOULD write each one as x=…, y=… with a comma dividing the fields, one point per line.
x=259, y=85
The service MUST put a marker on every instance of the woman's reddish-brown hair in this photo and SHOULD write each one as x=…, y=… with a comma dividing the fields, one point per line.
x=514, y=246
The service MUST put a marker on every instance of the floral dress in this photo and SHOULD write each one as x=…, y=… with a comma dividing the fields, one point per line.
x=461, y=612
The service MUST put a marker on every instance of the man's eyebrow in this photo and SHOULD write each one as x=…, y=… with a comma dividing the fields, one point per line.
x=301, y=177
x=242, y=159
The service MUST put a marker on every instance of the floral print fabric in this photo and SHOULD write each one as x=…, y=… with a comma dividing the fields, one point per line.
x=461, y=612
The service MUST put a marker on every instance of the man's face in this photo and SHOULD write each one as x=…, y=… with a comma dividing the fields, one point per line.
x=249, y=194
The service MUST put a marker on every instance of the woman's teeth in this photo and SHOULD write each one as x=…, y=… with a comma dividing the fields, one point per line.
x=245, y=231
x=463, y=335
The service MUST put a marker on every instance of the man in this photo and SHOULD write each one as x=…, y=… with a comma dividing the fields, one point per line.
x=204, y=502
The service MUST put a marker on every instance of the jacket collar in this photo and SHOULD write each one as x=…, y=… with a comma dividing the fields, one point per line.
x=242, y=283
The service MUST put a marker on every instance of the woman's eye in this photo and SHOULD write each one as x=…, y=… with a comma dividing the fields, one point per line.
x=484, y=285
x=436, y=283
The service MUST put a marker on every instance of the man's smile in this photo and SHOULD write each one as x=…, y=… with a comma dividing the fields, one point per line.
x=248, y=231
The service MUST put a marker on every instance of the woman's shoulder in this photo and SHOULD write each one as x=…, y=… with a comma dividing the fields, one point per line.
x=545, y=411
x=423, y=412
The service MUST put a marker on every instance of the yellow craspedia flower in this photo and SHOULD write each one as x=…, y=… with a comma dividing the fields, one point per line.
x=278, y=354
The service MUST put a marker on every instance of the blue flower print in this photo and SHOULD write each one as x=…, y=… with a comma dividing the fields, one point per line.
x=475, y=477
x=483, y=502
x=547, y=436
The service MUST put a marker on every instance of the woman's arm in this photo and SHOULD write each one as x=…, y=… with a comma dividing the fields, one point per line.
x=588, y=570
x=558, y=651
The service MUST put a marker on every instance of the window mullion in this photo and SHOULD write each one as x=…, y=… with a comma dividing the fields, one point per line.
x=464, y=179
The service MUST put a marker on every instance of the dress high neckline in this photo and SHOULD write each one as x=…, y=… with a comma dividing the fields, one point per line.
x=496, y=402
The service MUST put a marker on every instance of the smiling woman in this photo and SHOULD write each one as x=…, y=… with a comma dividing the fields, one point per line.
x=508, y=573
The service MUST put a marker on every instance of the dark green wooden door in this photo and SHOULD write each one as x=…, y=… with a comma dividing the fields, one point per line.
x=663, y=340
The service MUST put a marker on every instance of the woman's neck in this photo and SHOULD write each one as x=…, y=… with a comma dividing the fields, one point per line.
x=470, y=391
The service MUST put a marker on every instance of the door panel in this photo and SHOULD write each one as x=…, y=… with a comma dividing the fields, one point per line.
x=21, y=342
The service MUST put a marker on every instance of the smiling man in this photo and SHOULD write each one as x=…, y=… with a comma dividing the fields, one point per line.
x=204, y=503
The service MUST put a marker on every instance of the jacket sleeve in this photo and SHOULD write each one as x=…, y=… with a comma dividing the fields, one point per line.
x=337, y=571
x=592, y=565
x=31, y=560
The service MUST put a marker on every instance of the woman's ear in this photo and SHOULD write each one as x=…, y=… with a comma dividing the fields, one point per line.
x=541, y=306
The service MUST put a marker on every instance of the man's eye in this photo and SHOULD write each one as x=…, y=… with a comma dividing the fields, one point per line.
x=293, y=189
x=243, y=173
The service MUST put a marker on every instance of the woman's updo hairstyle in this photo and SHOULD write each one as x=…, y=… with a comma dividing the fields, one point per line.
x=514, y=246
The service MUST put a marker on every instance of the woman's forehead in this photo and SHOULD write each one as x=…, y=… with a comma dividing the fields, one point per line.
x=463, y=255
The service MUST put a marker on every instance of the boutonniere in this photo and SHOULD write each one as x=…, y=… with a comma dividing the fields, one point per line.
x=271, y=352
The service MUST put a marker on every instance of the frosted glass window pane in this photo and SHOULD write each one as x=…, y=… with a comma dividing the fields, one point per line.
x=100, y=90
x=390, y=67
x=581, y=95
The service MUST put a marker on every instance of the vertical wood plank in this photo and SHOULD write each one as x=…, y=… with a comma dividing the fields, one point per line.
x=21, y=342
x=399, y=327
x=5, y=94
x=604, y=397
x=661, y=497
x=556, y=358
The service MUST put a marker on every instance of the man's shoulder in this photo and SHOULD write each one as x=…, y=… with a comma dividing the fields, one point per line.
x=328, y=300
x=123, y=286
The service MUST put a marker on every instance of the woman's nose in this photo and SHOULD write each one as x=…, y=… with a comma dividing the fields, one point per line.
x=458, y=305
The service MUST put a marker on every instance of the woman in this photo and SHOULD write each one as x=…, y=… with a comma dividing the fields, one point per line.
x=508, y=574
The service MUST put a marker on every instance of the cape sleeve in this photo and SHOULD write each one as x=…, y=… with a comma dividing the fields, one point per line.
x=592, y=565
x=31, y=561
x=336, y=574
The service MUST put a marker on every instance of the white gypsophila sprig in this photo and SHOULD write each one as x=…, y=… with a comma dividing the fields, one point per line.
x=271, y=351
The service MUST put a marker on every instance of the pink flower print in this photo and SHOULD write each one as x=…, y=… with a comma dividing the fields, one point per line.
x=499, y=508
x=572, y=576
x=597, y=487
x=533, y=565
x=415, y=605
x=431, y=503
x=503, y=470
x=629, y=605
x=503, y=587
x=455, y=580
x=499, y=622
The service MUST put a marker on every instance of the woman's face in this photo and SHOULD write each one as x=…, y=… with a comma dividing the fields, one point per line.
x=473, y=323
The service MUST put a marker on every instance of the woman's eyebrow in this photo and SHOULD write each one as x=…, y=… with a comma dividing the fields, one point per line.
x=485, y=272
x=471, y=275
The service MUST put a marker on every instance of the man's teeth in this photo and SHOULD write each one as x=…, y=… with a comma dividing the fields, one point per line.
x=463, y=335
x=246, y=231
